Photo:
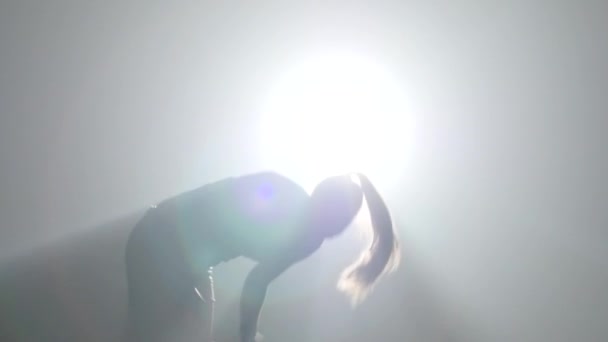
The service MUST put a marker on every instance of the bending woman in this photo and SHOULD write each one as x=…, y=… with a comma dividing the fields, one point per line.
x=265, y=217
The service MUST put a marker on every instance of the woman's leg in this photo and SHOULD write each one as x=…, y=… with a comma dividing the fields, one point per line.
x=163, y=301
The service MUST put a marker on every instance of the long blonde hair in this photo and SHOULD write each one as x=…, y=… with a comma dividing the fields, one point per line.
x=381, y=257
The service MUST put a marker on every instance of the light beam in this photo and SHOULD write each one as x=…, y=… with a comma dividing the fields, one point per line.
x=332, y=113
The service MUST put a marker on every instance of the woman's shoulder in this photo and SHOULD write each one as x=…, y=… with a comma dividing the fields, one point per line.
x=266, y=176
x=263, y=183
x=270, y=186
x=254, y=179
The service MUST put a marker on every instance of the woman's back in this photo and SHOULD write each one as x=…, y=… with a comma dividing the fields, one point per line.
x=261, y=212
x=249, y=216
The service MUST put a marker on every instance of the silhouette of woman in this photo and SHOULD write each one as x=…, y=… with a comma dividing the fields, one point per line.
x=263, y=216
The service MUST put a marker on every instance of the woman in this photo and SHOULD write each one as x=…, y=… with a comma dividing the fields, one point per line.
x=263, y=216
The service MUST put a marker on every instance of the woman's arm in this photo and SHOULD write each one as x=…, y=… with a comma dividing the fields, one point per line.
x=256, y=285
x=252, y=298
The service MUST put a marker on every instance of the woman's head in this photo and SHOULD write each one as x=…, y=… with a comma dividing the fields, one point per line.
x=334, y=204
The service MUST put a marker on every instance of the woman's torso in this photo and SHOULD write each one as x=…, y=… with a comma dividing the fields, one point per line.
x=254, y=216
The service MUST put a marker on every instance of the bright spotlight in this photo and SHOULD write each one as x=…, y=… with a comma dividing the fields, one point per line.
x=334, y=113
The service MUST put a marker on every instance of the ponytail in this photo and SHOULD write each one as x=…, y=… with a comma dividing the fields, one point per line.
x=382, y=255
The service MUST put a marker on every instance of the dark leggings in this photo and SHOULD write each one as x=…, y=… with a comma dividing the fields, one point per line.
x=167, y=301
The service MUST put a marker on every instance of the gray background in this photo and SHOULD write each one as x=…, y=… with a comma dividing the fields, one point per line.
x=108, y=106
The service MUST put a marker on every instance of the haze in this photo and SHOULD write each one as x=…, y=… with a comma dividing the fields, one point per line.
x=109, y=106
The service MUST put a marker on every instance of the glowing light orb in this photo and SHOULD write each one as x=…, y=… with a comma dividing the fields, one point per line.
x=334, y=113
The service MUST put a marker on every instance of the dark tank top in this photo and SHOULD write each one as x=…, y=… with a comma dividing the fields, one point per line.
x=253, y=216
x=261, y=213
